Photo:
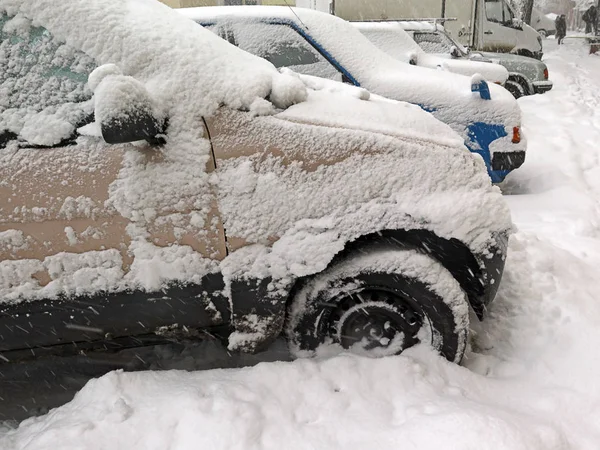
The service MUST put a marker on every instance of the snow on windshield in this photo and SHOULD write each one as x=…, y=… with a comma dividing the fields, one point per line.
x=390, y=38
x=40, y=72
x=43, y=83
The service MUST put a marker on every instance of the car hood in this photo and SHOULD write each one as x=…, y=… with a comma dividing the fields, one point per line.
x=530, y=67
x=448, y=96
x=334, y=104
x=490, y=72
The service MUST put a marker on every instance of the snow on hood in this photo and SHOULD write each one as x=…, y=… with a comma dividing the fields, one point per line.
x=449, y=95
x=376, y=114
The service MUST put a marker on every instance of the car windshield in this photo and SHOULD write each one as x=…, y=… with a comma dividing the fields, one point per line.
x=436, y=42
x=44, y=83
x=395, y=42
x=282, y=46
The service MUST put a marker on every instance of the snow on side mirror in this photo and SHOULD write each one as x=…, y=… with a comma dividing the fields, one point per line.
x=123, y=108
x=517, y=23
x=413, y=58
x=454, y=52
x=478, y=84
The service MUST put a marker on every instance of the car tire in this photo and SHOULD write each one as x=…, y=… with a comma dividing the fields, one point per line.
x=515, y=88
x=378, y=302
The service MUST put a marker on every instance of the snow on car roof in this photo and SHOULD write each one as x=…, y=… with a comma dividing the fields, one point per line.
x=447, y=93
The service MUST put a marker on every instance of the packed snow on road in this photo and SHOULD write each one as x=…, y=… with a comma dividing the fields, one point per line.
x=528, y=381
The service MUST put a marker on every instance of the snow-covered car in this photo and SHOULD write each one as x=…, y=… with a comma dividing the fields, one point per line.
x=206, y=190
x=543, y=23
x=526, y=76
x=315, y=43
x=390, y=37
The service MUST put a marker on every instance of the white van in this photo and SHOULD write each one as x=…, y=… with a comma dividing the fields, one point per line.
x=485, y=25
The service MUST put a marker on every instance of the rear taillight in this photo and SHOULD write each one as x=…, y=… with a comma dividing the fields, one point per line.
x=516, y=135
x=546, y=73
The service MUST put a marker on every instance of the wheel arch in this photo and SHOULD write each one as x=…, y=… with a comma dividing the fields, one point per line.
x=523, y=81
x=454, y=255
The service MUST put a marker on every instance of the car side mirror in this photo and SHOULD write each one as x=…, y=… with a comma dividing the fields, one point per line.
x=517, y=23
x=413, y=58
x=454, y=52
x=124, y=109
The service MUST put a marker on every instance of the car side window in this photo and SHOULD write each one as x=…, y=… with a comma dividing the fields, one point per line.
x=284, y=47
x=43, y=85
x=494, y=11
x=508, y=14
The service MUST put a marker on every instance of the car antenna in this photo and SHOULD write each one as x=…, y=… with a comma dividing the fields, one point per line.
x=294, y=12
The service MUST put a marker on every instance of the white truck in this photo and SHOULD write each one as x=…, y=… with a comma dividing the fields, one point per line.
x=485, y=25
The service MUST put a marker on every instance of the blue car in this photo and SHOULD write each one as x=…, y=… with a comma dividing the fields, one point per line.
x=314, y=43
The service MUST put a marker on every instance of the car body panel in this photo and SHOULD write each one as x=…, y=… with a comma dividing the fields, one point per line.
x=290, y=190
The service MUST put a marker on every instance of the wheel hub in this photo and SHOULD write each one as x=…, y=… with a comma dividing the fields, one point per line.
x=375, y=321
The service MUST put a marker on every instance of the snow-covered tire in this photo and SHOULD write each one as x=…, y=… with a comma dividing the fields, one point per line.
x=379, y=302
x=515, y=88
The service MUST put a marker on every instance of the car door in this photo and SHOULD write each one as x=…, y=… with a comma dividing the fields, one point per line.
x=498, y=34
x=62, y=234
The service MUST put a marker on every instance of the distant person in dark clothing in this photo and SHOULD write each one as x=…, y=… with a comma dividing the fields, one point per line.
x=561, y=28
x=590, y=17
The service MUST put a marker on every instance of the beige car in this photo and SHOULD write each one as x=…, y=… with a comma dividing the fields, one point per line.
x=152, y=186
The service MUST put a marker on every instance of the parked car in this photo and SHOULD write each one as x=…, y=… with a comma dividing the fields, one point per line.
x=527, y=76
x=390, y=37
x=543, y=23
x=207, y=190
x=319, y=44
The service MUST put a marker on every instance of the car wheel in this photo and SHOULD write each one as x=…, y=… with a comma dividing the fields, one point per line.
x=380, y=302
x=514, y=88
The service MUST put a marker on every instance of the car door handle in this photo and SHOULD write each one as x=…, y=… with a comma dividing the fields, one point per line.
x=488, y=32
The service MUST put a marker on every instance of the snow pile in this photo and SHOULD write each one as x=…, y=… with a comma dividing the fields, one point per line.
x=345, y=402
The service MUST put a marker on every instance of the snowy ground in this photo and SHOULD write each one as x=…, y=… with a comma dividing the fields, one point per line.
x=531, y=380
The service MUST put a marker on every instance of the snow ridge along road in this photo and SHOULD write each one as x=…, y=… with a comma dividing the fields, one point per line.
x=529, y=382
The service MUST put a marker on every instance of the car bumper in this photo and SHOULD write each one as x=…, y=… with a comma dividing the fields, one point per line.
x=508, y=160
x=541, y=87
